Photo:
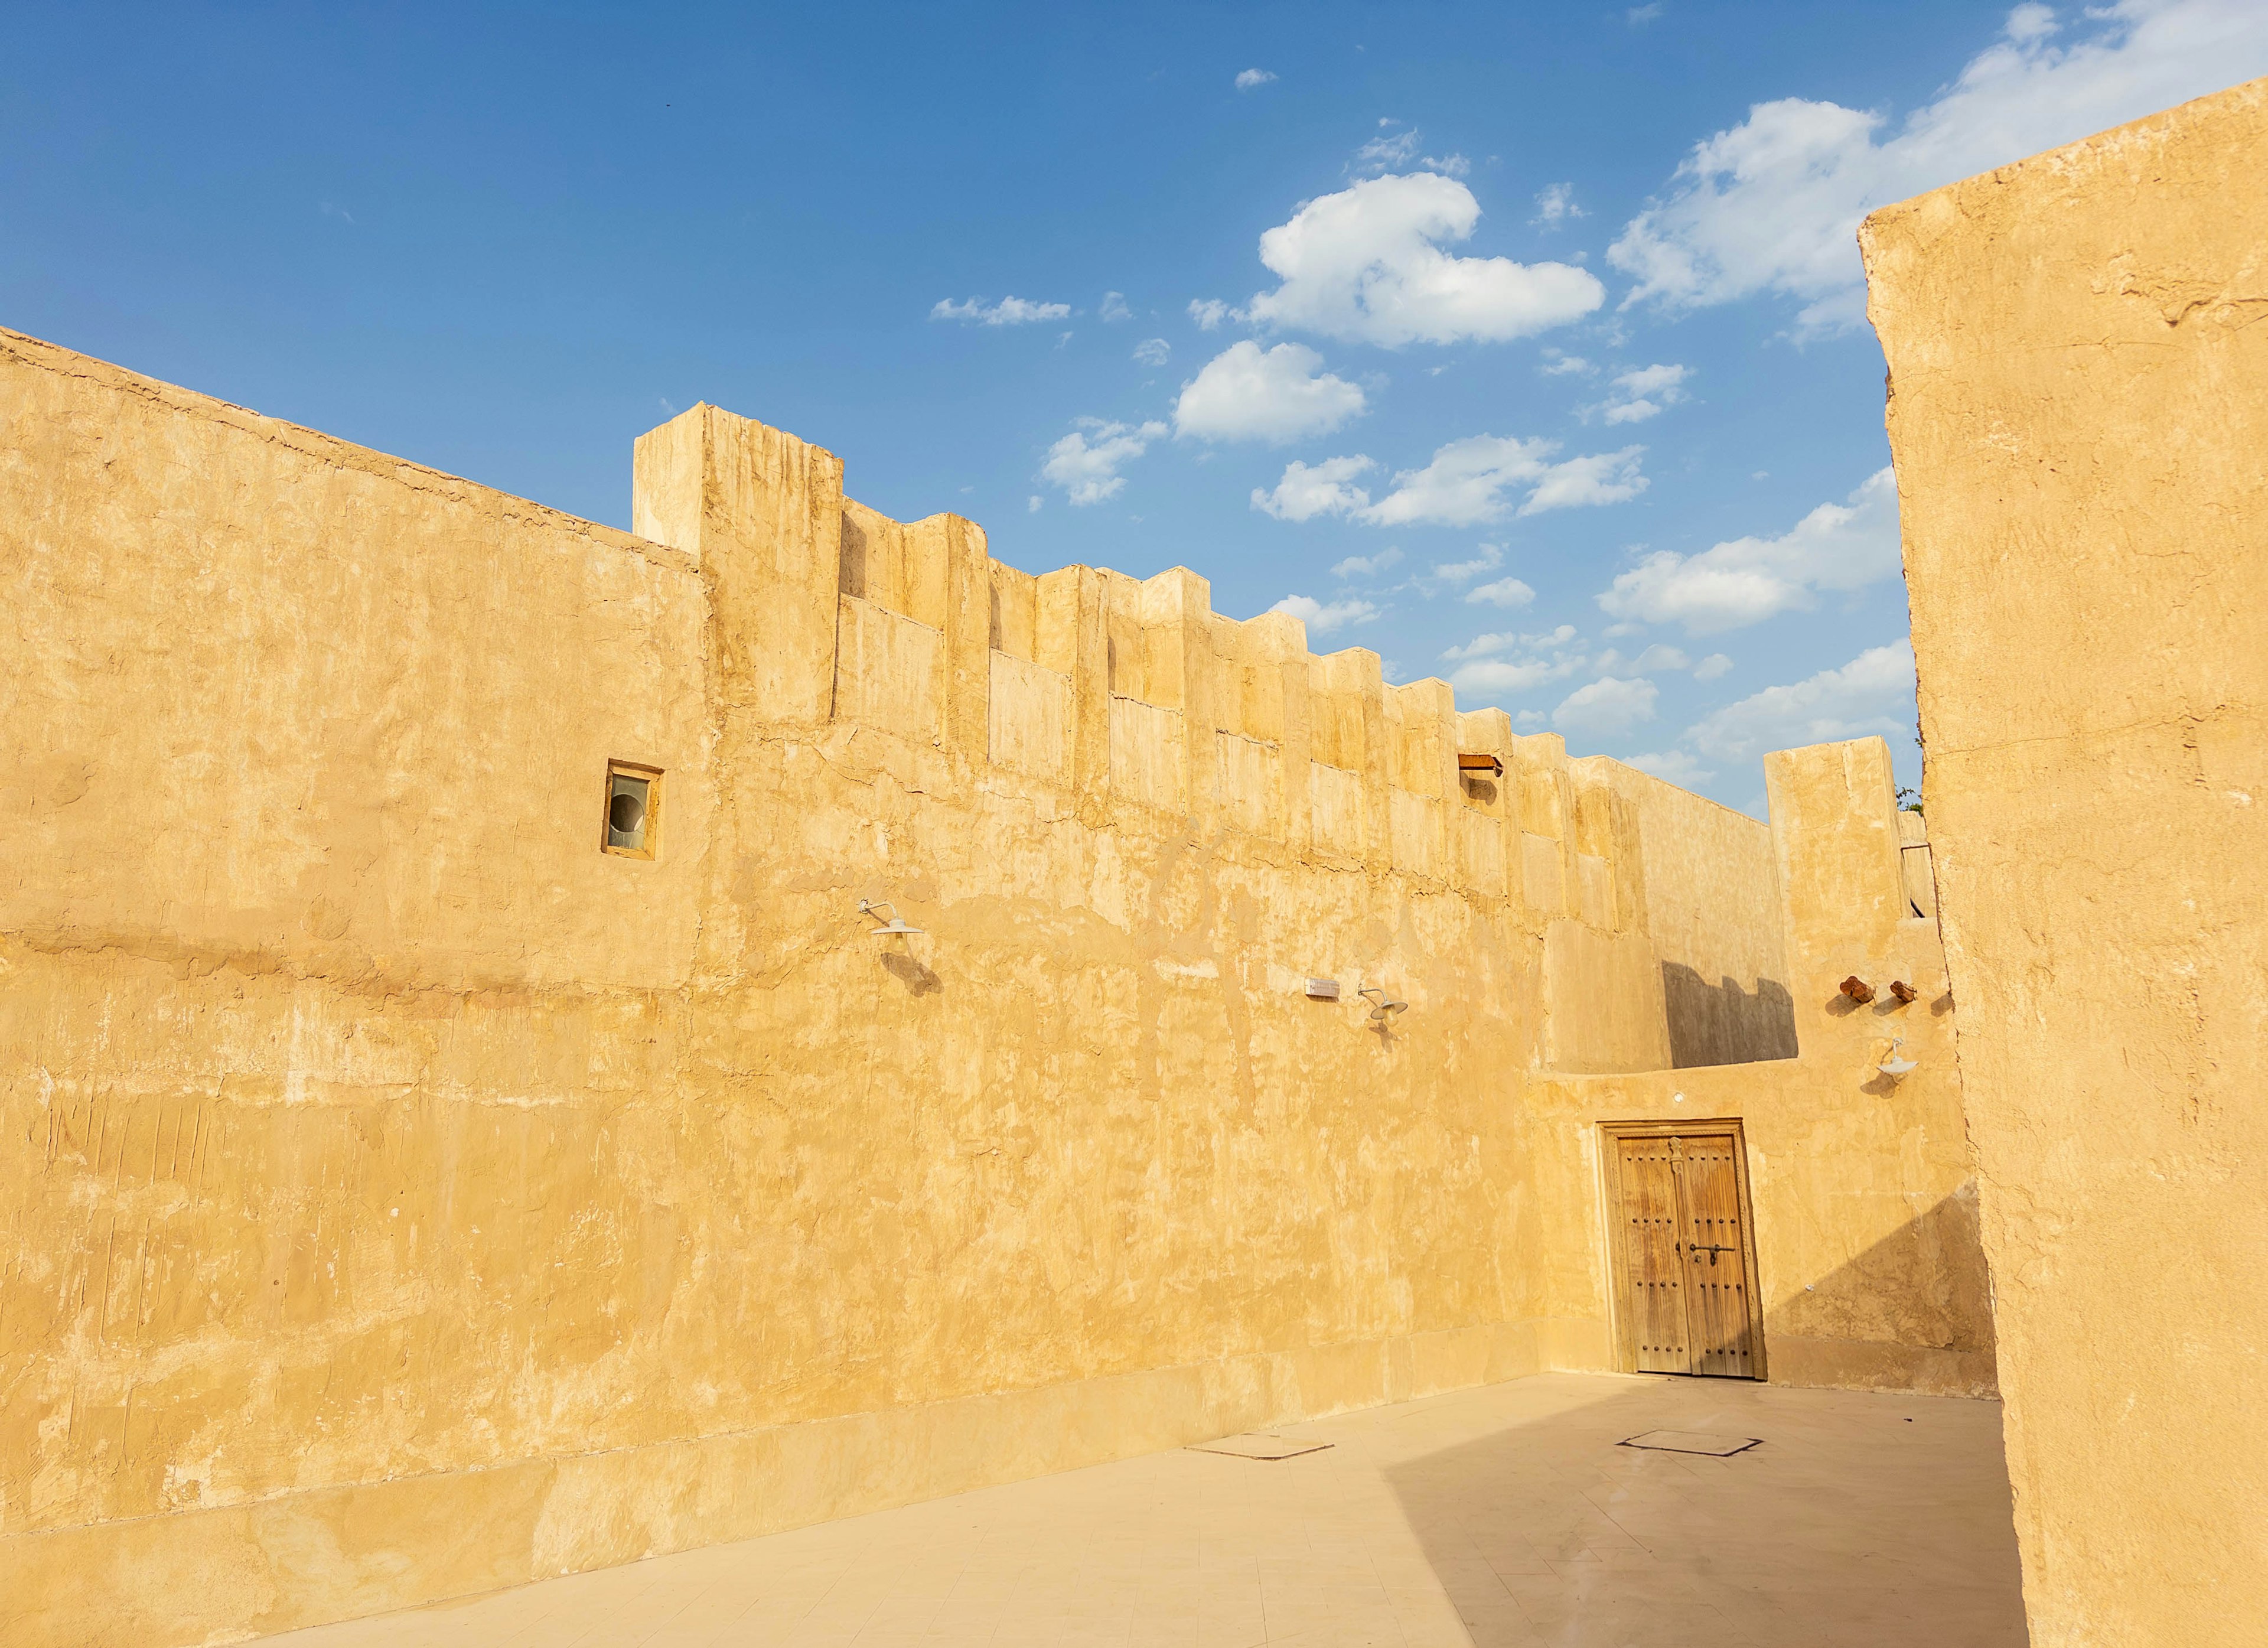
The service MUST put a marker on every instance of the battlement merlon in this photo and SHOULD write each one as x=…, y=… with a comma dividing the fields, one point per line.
x=1130, y=694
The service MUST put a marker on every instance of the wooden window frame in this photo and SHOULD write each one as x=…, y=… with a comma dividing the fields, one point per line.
x=1620, y=1319
x=653, y=776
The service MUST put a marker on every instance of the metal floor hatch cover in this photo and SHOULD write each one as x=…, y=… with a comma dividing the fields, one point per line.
x=1690, y=1442
x=1261, y=1444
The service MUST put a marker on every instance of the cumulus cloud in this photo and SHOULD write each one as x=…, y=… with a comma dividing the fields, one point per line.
x=1490, y=645
x=1252, y=78
x=1486, y=673
x=1366, y=264
x=1873, y=692
x=1325, y=489
x=1607, y=707
x=1559, y=365
x=1466, y=483
x=1505, y=592
x=1660, y=656
x=1367, y=566
x=1323, y=617
x=1638, y=395
x=1276, y=395
x=1007, y=312
x=1710, y=668
x=1209, y=312
x=1773, y=203
x=1114, y=307
x=1086, y=462
x=1555, y=205
x=1586, y=483
x=1153, y=351
x=1487, y=558
x=1837, y=546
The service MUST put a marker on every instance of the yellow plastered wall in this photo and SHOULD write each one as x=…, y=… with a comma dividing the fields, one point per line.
x=407, y=1198
x=1864, y=1200
x=2078, y=410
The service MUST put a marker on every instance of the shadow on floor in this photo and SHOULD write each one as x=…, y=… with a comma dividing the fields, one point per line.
x=1859, y=1519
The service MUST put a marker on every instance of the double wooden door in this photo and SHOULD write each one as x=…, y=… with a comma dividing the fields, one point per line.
x=1683, y=1259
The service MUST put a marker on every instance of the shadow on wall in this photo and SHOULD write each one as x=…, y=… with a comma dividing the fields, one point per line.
x=1913, y=1308
x=1859, y=1519
x=1723, y=1024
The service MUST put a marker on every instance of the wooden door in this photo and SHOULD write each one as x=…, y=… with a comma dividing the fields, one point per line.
x=1716, y=1258
x=1685, y=1271
x=1655, y=1294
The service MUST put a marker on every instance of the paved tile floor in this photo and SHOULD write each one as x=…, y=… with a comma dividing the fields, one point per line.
x=1507, y=1515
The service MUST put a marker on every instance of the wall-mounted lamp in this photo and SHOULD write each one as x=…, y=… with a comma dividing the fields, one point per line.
x=1897, y=1063
x=1905, y=992
x=1858, y=990
x=893, y=927
x=1386, y=1005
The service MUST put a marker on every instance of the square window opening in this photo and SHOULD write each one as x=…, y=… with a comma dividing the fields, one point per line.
x=633, y=810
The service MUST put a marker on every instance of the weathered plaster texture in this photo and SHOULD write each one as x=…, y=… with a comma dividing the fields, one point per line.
x=2079, y=409
x=405, y=1198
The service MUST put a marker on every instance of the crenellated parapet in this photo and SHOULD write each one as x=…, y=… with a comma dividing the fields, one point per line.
x=1131, y=700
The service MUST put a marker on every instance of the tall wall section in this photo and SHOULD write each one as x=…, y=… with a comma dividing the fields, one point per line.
x=1865, y=1200
x=405, y=1197
x=2078, y=372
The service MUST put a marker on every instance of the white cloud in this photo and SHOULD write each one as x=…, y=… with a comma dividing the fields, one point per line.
x=1710, y=668
x=1661, y=656
x=1007, y=312
x=1465, y=484
x=1032, y=504
x=1484, y=672
x=1498, y=679
x=1490, y=558
x=1672, y=766
x=1326, y=489
x=1607, y=707
x=1086, y=462
x=1555, y=205
x=1773, y=203
x=1322, y=618
x=1837, y=546
x=1506, y=592
x=1114, y=307
x=1367, y=566
x=1366, y=264
x=1871, y=694
x=1153, y=351
x=1209, y=312
x=1462, y=485
x=1638, y=15
x=1276, y=395
x=1638, y=395
x=1490, y=645
x=1251, y=77
x=1529, y=720
x=1559, y=365
x=1585, y=483
x=1386, y=153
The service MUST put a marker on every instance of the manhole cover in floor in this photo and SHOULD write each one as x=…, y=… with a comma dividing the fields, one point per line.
x=1692, y=1442
x=1259, y=1445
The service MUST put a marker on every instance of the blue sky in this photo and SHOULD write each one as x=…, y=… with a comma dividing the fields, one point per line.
x=1522, y=345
